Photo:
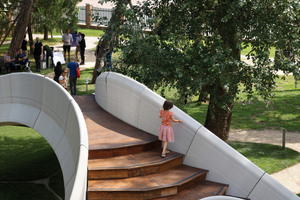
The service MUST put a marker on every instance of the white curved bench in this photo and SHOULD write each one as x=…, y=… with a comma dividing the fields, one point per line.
x=42, y=104
x=137, y=105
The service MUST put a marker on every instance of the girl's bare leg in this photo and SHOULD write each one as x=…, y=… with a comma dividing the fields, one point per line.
x=165, y=143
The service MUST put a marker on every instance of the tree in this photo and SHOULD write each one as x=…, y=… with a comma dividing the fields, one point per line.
x=195, y=45
x=110, y=38
x=22, y=23
x=54, y=14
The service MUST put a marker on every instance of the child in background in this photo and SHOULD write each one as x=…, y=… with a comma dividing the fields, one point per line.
x=63, y=79
x=165, y=130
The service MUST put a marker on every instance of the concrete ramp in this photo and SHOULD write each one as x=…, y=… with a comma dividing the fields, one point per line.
x=40, y=103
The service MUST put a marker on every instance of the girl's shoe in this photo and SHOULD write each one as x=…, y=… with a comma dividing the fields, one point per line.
x=167, y=151
x=163, y=155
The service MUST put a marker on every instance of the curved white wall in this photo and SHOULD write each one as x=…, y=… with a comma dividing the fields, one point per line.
x=137, y=105
x=42, y=104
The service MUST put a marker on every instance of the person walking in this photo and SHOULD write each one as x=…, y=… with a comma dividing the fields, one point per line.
x=67, y=39
x=38, y=53
x=72, y=66
x=165, y=133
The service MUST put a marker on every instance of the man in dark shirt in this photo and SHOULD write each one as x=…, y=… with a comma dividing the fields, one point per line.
x=49, y=53
x=24, y=46
x=38, y=53
x=72, y=66
x=23, y=60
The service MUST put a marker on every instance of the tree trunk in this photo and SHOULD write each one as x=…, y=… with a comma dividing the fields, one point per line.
x=30, y=37
x=46, y=37
x=109, y=37
x=21, y=26
x=218, y=120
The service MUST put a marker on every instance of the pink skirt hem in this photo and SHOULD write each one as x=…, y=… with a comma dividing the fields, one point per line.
x=166, y=133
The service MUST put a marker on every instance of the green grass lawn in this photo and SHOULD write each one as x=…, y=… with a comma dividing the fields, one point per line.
x=27, y=156
x=268, y=157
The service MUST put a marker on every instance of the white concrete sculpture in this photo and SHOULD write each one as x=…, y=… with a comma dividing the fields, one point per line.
x=42, y=104
x=137, y=105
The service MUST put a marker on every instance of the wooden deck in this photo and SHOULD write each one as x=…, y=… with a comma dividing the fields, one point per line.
x=125, y=162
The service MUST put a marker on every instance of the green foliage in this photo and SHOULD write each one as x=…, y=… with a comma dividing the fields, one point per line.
x=282, y=112
x=7, y=8
x=270, y=158
x=195, y=47
x=55, y=14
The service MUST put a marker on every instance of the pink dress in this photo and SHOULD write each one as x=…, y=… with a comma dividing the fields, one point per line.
x=165, y=130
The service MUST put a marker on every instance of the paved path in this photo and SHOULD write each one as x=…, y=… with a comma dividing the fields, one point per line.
x=289, y=177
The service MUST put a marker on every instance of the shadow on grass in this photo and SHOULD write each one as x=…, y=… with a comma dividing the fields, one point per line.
x=27, y=156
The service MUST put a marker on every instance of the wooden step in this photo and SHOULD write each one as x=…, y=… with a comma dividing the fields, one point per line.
x=137, y=147
x=157, y=185
x=198, y=191
x=132, y=165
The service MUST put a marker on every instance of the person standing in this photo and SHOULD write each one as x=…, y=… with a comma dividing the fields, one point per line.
x=57, y=71
x=63, y=79
x=49, y=53
x=78, y=39
x=38, y=53
x=67, y=39
x=72, y=66
x=165, y=130
x=24, y=46
x=82, y=48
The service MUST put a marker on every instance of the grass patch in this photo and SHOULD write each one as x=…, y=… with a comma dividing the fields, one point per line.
x=28, y=191
x=81, y=82
x=91, y=32
x=270, y=158
x=26, y=156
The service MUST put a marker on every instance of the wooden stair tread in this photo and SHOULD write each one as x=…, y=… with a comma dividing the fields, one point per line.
x=173, y=177
x=132, y=165
x=131, y=160
x=106, y=131
x=198, y=191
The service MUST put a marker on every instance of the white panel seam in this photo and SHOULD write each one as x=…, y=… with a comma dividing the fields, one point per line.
x=192, y=142
x=256, y=184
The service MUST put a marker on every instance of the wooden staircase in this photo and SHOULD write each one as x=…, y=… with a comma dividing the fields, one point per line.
x=125, y=163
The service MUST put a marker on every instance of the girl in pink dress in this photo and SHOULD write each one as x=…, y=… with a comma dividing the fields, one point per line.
x=165, y=133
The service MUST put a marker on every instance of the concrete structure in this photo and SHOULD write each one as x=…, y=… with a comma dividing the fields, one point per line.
x=42, y=104
x=137, y=105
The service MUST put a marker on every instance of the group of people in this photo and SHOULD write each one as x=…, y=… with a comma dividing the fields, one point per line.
x=16, y=63
x=61, y=75
x=80, y=44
